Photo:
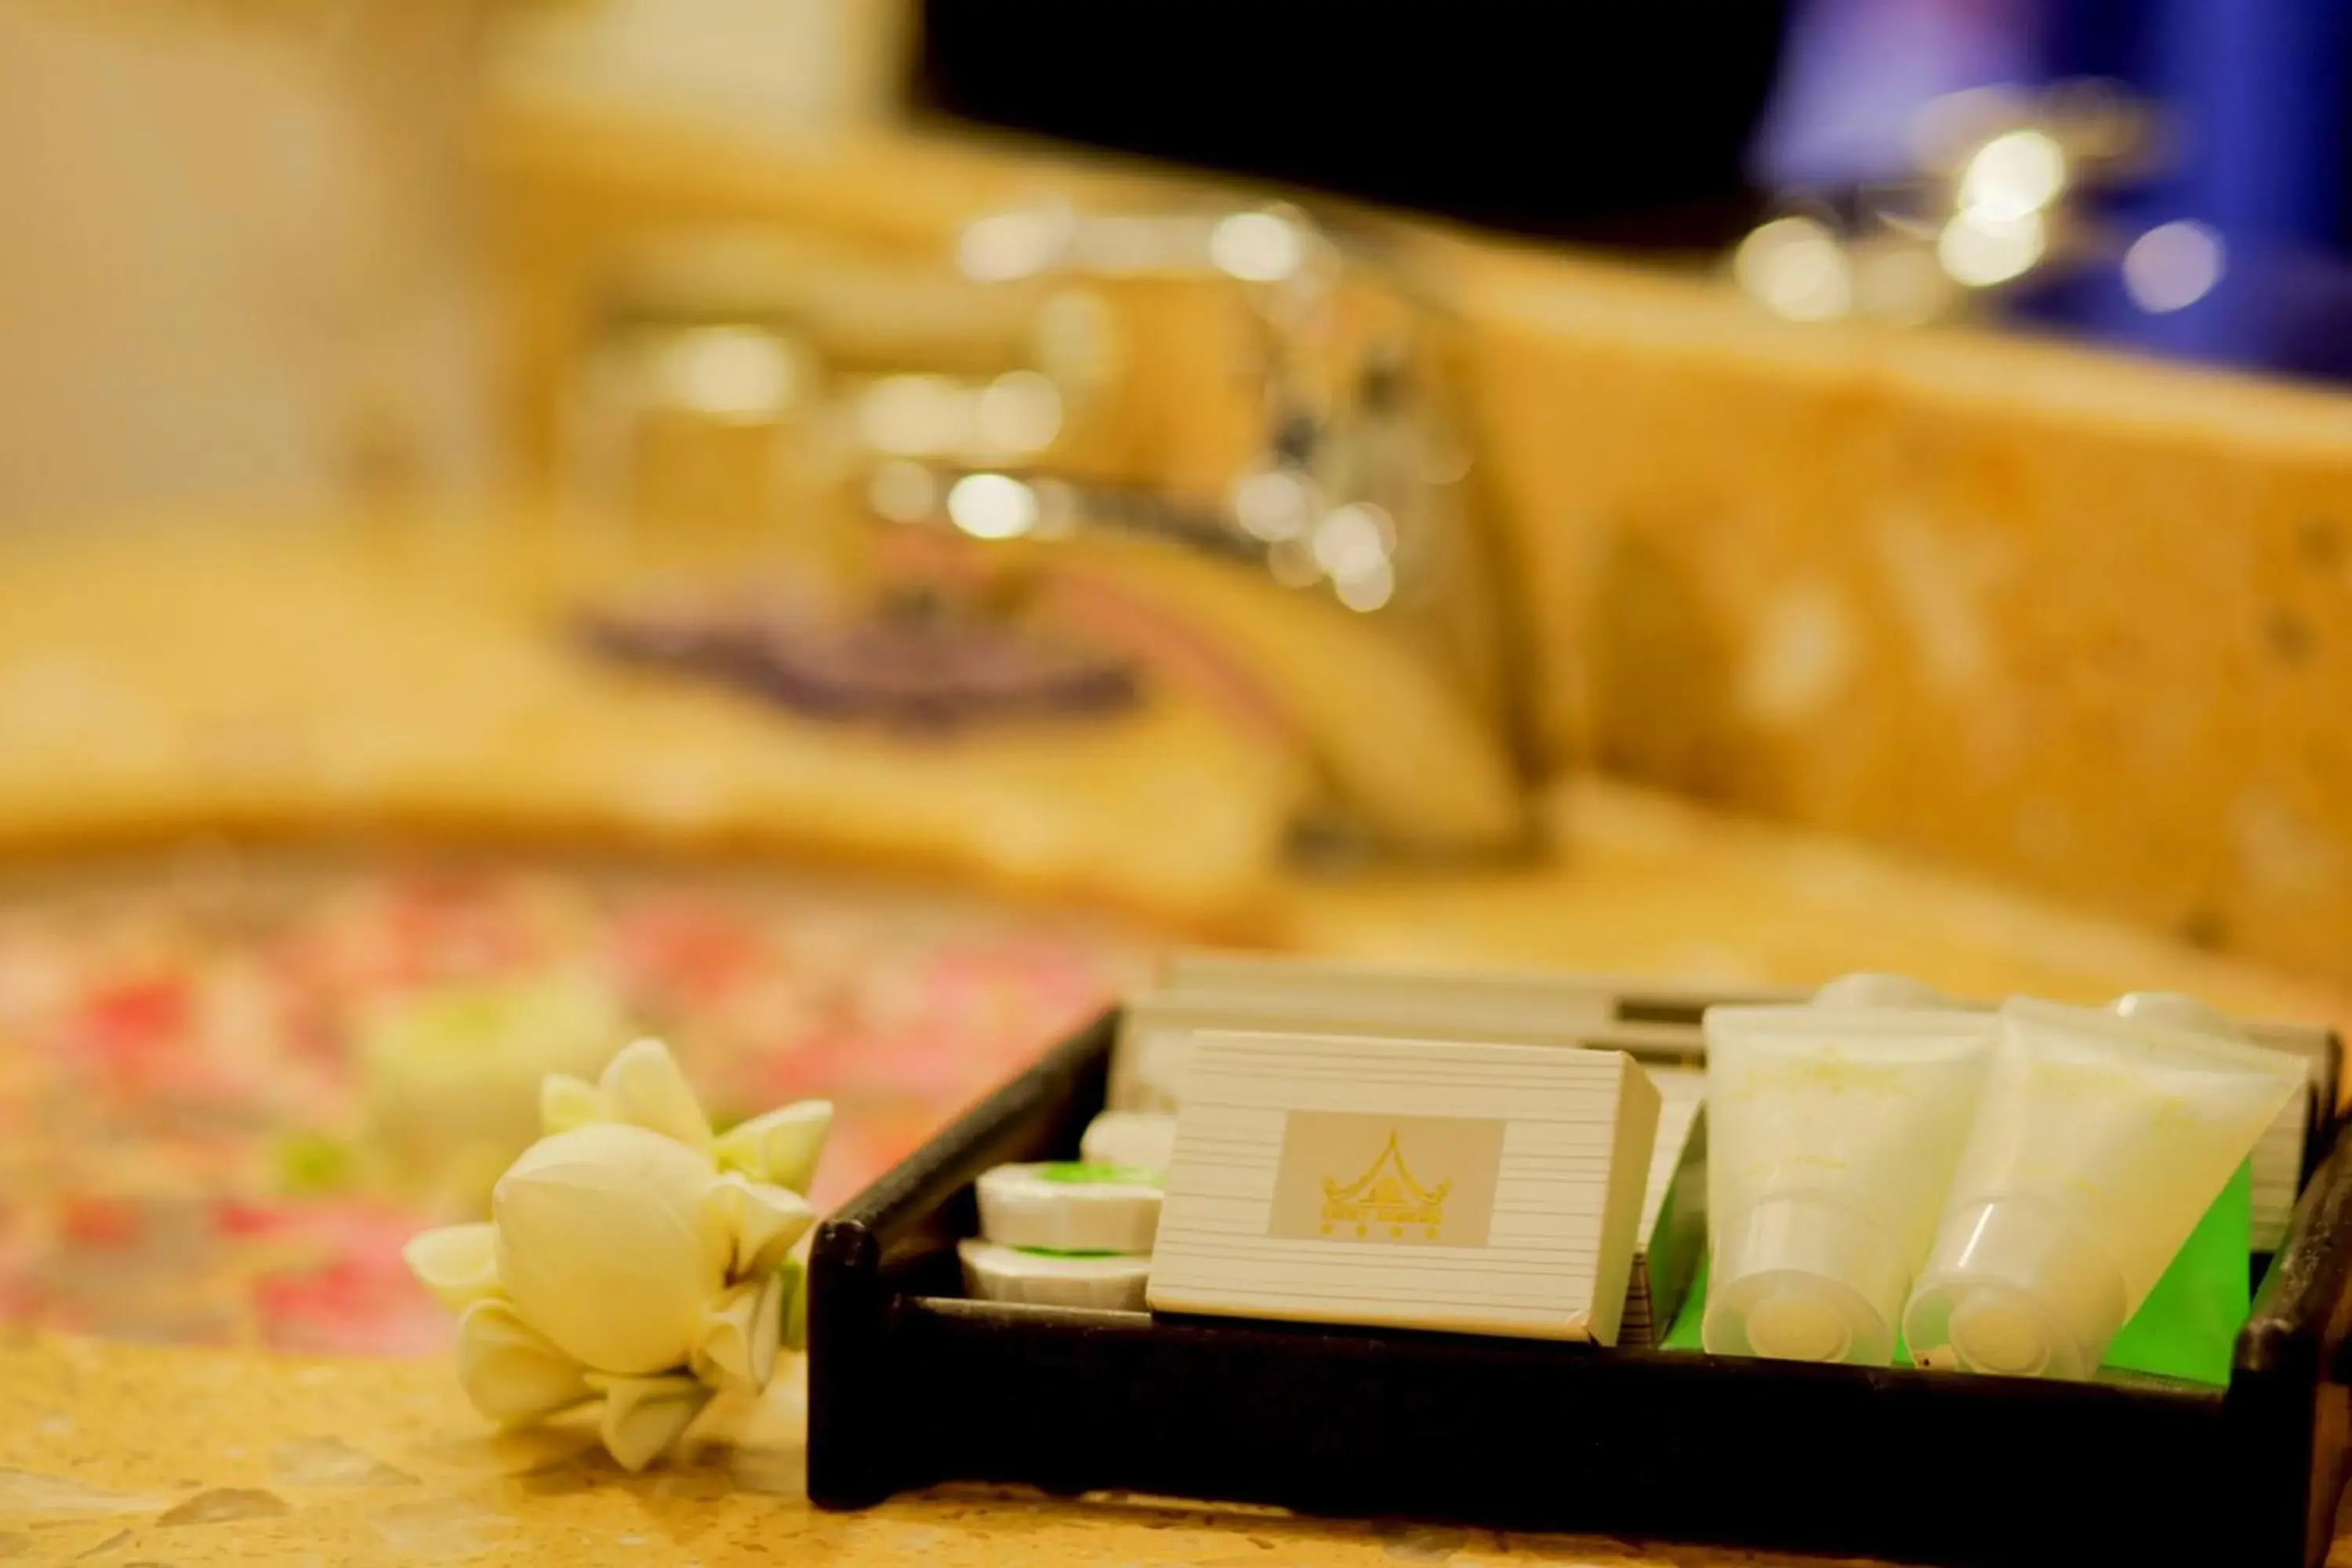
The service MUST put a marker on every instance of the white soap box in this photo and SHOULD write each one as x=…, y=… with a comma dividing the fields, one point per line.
x=1472, y=1187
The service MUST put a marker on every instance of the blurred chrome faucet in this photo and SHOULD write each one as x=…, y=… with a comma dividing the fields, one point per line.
x=1347, y=518
x=1333, y=570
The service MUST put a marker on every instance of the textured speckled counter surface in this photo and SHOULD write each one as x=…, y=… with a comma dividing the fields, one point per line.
x=117, y=1454
x=122, y=1454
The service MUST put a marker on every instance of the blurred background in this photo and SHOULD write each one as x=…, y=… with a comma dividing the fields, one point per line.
x=834, y=530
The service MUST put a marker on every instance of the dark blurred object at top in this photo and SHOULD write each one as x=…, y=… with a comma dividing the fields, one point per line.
x=912, y=661
x=1620, y=123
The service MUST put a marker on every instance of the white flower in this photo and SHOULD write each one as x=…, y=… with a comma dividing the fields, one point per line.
x=630, y=1255
x=605, y=1245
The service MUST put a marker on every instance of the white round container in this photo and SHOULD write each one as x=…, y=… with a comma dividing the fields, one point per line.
x=996, y=1273
x=1070, y=1208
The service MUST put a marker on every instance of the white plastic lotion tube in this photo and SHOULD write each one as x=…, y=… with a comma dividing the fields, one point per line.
x=1832, y=1134
x=2102, y=1142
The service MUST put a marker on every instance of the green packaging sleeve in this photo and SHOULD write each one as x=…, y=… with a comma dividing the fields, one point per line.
x=2186, y=1328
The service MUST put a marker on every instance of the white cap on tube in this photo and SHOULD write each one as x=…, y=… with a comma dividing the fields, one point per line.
x=2176, y=1011
x=2014, y=1289
x=1804, y=1278
x=1868, y=988
x=1143, y=1138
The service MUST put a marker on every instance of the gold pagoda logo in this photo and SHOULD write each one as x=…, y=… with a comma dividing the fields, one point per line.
x=1385, y=1202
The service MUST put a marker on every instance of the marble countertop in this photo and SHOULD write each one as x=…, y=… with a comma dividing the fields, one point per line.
x=1640, y=883
x=121, y=1454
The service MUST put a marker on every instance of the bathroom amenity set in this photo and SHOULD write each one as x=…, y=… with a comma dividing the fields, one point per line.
x=1554, y=1252
x=2005, y=1190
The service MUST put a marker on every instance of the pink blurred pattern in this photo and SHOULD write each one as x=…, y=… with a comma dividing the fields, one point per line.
x=166, y=1040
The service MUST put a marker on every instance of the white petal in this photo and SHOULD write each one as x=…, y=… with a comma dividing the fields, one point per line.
x=781, y=1147
x=738, y=1347
x=609, y=1245
x=459, y=1263
x=509, y=1369
x=644, y=1086
x=762, y=1221
x=566, y=1102
x=643, y=1416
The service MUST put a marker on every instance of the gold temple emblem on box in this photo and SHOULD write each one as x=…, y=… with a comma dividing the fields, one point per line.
x=1385, y=1198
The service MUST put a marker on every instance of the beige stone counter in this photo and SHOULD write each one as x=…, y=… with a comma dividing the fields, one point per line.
x=329, y=682
x=122, y=1454
x=150, y=724
x=1646, y=883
